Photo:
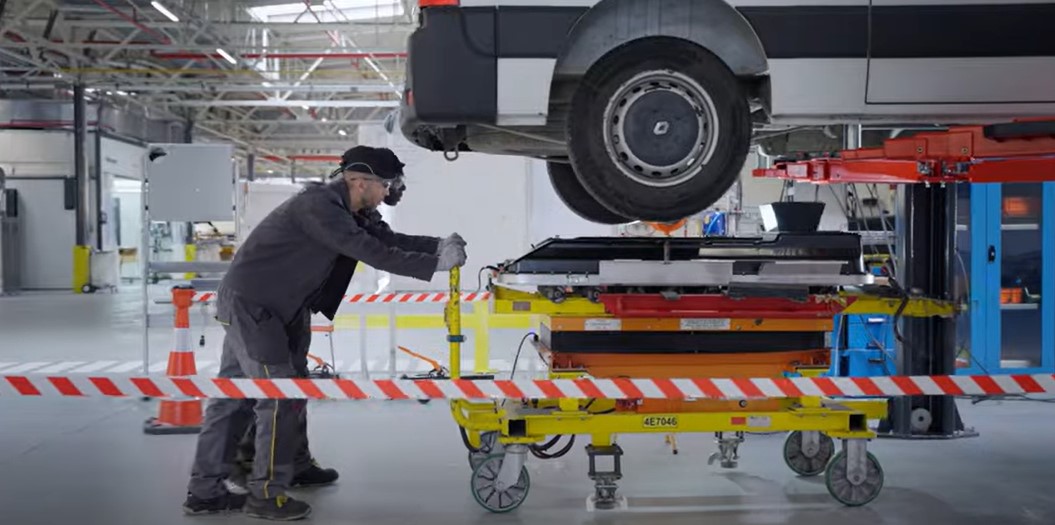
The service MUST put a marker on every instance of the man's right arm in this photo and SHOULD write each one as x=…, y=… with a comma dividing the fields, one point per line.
x=415, y=243
x=323, y=218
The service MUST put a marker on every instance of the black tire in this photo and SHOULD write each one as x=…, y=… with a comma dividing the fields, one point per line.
x=576, y=198
x=659, y=100
x=803, y=465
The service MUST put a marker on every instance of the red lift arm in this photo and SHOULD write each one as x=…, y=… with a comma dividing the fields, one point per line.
x=1020, y=151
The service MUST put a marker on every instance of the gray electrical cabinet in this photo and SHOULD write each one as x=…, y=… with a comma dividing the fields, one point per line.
x=10, y=242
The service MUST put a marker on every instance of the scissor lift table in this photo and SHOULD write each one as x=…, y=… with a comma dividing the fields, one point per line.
x=674, y=308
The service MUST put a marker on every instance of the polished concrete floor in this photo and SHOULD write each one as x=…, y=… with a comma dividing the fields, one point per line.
x=88, y=462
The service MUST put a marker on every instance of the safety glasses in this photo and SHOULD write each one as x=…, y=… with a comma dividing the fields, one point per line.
x=387, y=183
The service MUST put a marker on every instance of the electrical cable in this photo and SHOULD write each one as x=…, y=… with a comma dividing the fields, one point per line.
x=898, y=314
x=549, y=444
x=541, y=451
x=900, y=309
x=520, y=347
x=839, y=202
x=883, y=350
x=479, y=277
x=873, y=190
x=857, y=210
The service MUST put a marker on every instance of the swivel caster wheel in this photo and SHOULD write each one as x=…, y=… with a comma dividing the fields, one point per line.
x=808, y=457
x=854, y=490
x=485, y=489
x=489, y=446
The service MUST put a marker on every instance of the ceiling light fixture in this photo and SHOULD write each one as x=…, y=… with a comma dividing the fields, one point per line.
x=342, y=132
x=226, y=56
x=164, y=10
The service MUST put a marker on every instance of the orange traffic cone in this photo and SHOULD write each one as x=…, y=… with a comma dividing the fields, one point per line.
x=185, y=416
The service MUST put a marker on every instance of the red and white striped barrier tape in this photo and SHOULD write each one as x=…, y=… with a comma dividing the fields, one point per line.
x=397, y=297
x=348, y=389
x=415, y=297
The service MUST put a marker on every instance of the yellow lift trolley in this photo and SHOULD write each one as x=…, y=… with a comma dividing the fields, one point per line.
x=656, y=336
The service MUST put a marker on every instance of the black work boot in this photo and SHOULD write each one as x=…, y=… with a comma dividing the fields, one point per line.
x=314, y=476
x=195, y=506
x=281, y=508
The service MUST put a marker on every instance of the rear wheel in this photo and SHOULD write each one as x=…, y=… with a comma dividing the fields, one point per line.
x=659, y=130
x=576, y=198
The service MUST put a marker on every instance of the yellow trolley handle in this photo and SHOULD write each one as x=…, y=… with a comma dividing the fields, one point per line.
x=454, y=323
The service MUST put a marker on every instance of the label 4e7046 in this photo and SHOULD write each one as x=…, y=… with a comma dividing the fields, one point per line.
x=660, y=422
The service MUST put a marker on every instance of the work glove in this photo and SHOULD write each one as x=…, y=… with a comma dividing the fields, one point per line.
x=451, y=256
x=454, y=239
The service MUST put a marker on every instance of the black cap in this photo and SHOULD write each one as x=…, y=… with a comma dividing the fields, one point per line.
x=381, y=162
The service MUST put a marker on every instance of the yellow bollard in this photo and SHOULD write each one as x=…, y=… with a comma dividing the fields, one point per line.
x=82, y=268
x=190, y=254
x=454, y=323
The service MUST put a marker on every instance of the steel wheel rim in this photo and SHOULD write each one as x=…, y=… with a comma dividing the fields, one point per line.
x=483, y=486
x=619, y=115
x=847, y=493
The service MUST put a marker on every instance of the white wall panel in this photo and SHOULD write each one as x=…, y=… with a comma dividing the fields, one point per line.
x=30, y=153
x=121, y=159
x=49, y=232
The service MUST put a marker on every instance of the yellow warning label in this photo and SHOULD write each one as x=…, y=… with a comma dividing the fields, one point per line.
x=659, y=421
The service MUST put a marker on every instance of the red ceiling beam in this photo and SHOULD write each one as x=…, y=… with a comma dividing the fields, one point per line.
x=189, y=55
x=336, y=159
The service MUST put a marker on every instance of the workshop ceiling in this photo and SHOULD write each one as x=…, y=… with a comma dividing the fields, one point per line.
x=285, y=78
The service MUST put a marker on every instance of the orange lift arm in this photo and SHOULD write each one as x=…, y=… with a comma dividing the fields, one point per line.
x=1020, y=151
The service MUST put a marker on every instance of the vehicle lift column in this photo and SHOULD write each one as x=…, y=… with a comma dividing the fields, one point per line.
x=926, y=246
x=925, y=166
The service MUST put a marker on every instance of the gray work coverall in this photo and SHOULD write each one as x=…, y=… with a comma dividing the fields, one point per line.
x=300, y=346
x=300, y=259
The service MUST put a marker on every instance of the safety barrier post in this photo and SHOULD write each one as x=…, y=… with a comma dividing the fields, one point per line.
x=362, y=345
x=393, y=344
x=182, y=416
x=482, y=341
